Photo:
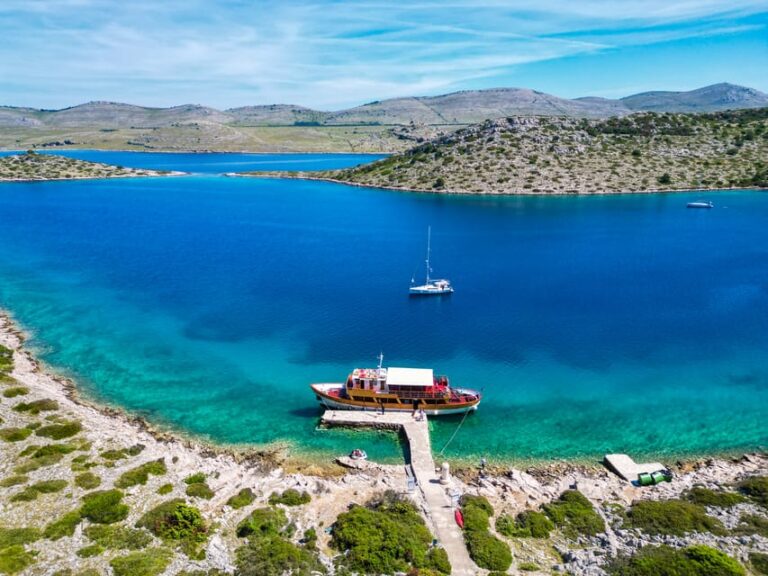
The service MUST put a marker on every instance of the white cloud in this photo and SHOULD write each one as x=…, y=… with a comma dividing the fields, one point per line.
x=322, y=54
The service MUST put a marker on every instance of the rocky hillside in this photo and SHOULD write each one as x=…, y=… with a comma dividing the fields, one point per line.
x=31, y=166
x=640, y=152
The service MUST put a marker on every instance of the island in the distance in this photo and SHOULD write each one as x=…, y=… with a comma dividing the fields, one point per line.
x=643, y=152
x=31, y=166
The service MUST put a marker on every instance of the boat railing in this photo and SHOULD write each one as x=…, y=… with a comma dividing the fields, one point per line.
x=447, y=395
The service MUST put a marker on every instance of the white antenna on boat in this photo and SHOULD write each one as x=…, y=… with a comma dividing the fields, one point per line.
x=381, y=362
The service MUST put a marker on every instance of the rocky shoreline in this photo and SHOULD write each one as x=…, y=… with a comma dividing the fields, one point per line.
x=332, y=489
x=447, y=192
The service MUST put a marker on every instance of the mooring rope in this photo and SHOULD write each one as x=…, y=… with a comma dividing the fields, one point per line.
x=454, y=433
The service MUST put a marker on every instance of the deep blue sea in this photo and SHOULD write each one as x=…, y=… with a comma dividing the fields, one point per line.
x=208, y=304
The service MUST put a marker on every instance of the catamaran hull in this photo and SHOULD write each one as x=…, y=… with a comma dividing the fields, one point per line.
x=331, y=402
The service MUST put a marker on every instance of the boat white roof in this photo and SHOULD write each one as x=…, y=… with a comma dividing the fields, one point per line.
x=410, y=377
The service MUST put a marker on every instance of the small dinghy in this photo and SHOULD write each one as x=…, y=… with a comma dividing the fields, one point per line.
x=459, y=517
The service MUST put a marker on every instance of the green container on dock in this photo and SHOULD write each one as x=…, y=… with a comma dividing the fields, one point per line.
x=644, y=479
x=658, y=477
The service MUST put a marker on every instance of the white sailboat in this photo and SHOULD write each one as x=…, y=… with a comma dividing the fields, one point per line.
x=431, y=286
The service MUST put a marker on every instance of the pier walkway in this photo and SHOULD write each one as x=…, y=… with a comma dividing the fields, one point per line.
x=438, y=501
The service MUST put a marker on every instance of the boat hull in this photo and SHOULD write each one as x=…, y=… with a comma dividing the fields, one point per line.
x=324, y=393
x=429, y=291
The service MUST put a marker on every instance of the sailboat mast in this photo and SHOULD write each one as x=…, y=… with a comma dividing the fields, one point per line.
x=429, y=244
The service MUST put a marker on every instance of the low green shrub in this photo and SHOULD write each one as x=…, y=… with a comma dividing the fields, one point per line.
x=37, y=406
x=45, y=487
x=119, y=454
x=6, y=359
x=484, y=548
x=675, y=517
x=475, y=519
x=528, y=567
x=290, y=497
x=15, y=391
x=14, y=559
x=140, y=474
x=87, y=480
x=706, y=497
x=759, y=562
x=14, y=536
x=81, y=464
x=50, y=486
x=14, y=480
x=481, y=502
x=59, y=431
x=752, y=524
x=273, y=555
x=574, y=515
x=52, y=450
x=527, y=524
x=437, y=559
x=386, y=537
x=241, y=499
x=118, y=537
x=64, y=526
x=148, y=563
x=86, y=572
x=755, y=488
x=309, y=539
x=13, y=434
x=195, y=478
x=199, y=490
x=666, y=561
x=90, y=551
x=262, y=522
x=175, y=520
x=104, y=507
x=488, y=551
x=165, y=489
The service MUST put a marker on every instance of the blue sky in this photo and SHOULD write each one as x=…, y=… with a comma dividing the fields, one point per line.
x=332, y=54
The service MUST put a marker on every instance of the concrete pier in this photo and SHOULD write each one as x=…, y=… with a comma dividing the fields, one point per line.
x=627, y=468
x=435, y=495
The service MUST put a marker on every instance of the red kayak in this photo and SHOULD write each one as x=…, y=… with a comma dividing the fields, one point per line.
x=459, y=518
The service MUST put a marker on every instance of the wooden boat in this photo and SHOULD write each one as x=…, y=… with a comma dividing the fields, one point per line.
x=396, y=390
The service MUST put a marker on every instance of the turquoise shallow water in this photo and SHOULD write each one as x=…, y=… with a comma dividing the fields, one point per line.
x=208, y=304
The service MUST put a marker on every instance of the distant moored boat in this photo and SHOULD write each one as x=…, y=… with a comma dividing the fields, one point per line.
x=700, y=205
x=430, y=286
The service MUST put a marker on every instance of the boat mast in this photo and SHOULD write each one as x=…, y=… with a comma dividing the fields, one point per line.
x=429, y=242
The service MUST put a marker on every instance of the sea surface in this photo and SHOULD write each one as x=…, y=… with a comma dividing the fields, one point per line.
x=208, y=304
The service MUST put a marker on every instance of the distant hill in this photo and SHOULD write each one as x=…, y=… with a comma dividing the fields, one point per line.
x=466, y=107
x=110, y=115
x=708, y=99
x=276, y=114
x=472, y=106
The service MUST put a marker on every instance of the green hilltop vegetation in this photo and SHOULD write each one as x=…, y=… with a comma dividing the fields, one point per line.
x=646, y=151
x=33, y=166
